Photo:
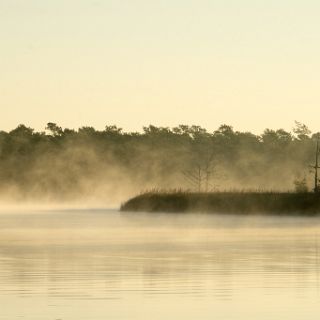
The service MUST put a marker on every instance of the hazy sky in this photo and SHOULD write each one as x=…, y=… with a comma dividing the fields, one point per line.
x=249, y=63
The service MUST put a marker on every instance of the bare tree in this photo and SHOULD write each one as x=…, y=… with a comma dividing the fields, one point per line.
x=202, y=172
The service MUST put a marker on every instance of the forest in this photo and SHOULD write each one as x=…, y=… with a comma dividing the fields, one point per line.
x=109, y=165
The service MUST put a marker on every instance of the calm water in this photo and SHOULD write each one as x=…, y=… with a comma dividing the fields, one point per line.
x=100, y=264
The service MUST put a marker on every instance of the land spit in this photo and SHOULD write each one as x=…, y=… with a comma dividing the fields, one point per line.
x=285, y=203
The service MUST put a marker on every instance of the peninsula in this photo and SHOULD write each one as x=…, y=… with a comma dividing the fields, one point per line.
x=226, y=202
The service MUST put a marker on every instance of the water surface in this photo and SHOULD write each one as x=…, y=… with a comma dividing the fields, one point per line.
x=102, y=264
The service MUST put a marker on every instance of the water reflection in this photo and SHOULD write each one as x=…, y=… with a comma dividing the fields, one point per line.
x=103, y=264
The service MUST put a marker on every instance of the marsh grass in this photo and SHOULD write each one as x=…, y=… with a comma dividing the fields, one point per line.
x=235, y=202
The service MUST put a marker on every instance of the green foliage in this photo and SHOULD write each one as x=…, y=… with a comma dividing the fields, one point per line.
x=54, y=129
x=301, y=130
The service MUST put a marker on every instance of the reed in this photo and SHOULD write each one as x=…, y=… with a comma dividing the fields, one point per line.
x=235, y=202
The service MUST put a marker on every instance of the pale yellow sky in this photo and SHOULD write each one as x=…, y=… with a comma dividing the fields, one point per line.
x=252, y=64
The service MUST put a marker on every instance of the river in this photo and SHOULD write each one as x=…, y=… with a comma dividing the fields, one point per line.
x=102, y=264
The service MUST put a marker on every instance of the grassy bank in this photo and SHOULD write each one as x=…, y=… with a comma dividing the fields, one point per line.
x=226, y=202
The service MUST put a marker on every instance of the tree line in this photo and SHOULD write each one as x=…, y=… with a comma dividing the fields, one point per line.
x=68, y=164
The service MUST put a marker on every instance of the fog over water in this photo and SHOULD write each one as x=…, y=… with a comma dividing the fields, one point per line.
x=90, y=167
x=110, y=107
x=102, y=264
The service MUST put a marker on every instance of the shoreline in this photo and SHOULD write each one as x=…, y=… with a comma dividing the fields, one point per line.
x=275, y=203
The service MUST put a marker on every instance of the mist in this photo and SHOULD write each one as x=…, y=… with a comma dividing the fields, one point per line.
x=104, y=168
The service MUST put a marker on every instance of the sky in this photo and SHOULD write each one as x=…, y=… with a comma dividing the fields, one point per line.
x=251, y=64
